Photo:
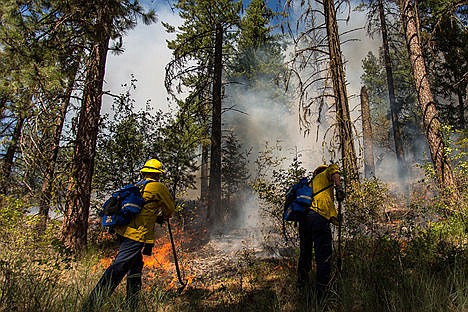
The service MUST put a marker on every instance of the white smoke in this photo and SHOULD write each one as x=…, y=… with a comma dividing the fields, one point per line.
x=145, y=56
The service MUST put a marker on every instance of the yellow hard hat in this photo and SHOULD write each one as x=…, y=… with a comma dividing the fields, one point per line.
x=320, y=169
x=152, y=165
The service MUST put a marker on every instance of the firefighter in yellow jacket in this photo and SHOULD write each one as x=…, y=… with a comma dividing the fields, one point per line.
x=314, y=227
x=136, y=239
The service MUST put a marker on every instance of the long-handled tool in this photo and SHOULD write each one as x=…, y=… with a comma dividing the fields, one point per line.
x=176, y=261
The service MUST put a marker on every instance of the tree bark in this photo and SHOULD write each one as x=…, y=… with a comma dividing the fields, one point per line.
x=369, y=165
x=3, y=101
x=394, y=109
x=431, y=123
x=205, y=110
x=204, y=173
x=75, y=220
x=351, y=174
x=214, y=200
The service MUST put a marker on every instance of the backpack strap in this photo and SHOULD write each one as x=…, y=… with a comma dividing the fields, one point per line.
x=327, y=187
x=142, y=185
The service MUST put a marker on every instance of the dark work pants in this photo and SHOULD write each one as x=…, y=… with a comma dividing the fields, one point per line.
x=129, y=261
x=314, y=231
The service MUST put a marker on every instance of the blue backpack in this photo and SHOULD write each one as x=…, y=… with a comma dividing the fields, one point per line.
x=123, y=205
x=299, y=199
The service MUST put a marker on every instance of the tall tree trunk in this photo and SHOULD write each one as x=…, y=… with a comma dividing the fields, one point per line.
x=369, y=165
x=394, y=109
x=10, y=155
x=205, y=161
x=47, y=183
x=431, y=123
x=348, y=152
x=75, y=221
x=204, y=174
x=214, y=200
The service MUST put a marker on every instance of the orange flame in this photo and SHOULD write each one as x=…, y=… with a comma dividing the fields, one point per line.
x=162, y=260
x=173, y=284
x=160, y=265
x=160, y=257
x=103, y=263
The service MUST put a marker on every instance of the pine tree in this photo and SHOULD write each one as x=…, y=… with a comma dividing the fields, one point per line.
x=430, y=117
x=37, y=77
x=259, y=52
x=103, y=20
x=204, y=39
x=374, y=78
x=369, y=165
x=18, y=76
x=445, y=43
x=391, y=93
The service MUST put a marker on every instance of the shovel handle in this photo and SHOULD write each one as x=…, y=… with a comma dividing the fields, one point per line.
x=176, y=262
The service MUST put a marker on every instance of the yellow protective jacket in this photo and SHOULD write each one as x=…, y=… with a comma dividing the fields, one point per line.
x=323, y=202
x=158, y=202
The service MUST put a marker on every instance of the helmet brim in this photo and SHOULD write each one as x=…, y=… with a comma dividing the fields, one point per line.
x=151, y=170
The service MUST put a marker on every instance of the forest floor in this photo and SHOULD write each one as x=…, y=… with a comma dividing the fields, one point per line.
x=229, y=272
x=237, y=271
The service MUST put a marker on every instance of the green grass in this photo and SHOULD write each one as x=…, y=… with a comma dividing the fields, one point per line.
x=425, y=272
x=373, y=281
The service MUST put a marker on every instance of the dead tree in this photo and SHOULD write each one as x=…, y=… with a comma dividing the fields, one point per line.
x=348, y=152
x=318, y=55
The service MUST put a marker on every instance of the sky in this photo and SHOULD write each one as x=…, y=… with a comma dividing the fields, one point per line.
x=145, y=56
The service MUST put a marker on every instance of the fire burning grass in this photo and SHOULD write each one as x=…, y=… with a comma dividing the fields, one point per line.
x=221, y=267
x=223, y=274
x=160, y=257
x=160, y=265
x=231, y=272
x=159, y=268
x=237, y=278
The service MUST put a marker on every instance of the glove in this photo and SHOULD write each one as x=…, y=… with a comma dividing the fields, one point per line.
x=339, y=193
x=148, y=249
x=160, y=220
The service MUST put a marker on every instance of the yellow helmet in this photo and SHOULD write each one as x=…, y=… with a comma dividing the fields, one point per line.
x=152, y=165
x=320, y=169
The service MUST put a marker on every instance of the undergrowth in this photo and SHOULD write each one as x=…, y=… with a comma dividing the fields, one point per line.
x=393, y=260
